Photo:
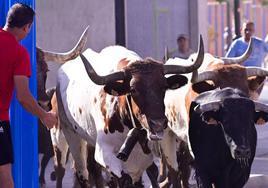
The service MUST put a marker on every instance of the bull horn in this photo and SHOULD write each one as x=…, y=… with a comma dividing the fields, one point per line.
x=261, y=107
x=240, y=59
x=256, y=71
x=206, y=75
x=210, y=106
x=63, y=57
x=178, y=69
x=101, y=80
x=166, y=55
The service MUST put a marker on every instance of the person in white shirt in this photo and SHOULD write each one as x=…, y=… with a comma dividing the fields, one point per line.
x=184, y=50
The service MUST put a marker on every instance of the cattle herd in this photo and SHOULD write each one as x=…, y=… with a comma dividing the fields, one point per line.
x=119, y=113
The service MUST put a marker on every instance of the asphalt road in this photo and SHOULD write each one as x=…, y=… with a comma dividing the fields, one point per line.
x=258, y=172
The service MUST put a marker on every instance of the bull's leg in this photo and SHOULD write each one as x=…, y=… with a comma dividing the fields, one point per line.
x=162, y=170
x=152, y=172
x=172, y=179
x=168, y=147
x=60, y=158
x=45, y=147
x=60, y=150
x=95, y=170
x=45, y=159
x=184, y=159
x=78, y=149
x=125, y=181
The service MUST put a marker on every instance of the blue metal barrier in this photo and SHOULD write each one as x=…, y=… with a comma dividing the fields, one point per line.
x=24, y=125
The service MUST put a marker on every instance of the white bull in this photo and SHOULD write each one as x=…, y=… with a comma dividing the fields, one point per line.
x=88, y=114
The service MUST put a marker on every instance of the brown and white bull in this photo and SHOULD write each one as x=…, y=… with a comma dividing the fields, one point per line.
x=44, y=96
x=214, y=73
x=88, y=114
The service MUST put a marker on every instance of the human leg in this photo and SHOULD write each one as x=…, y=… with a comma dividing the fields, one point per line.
x=6, y=179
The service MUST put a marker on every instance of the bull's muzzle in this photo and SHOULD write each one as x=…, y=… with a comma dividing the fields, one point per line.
x=156, y=128
x=242, y=152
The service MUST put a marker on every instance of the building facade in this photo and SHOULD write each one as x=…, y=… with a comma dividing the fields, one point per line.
x=149, y=25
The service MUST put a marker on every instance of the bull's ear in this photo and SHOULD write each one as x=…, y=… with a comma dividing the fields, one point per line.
x=260, y=118
x=176, y=81
x=116, y=88
x=256, y=84
x=204, y=86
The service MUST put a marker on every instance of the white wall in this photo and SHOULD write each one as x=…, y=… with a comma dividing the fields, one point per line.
x=154, y=24
x=61, y=22
x=150, y=25
x=198, y=22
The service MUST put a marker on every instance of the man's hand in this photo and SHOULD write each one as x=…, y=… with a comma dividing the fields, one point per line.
x=26, y=99
x=49, y=119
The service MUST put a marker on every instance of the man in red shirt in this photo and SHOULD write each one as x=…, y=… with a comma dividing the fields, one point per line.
x=15, y=71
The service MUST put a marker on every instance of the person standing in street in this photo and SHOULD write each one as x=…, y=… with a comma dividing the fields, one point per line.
x=15, y=70
x=239, y=46
x=184, y=50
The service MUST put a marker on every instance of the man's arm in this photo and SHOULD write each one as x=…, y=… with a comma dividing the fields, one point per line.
x=26, y=99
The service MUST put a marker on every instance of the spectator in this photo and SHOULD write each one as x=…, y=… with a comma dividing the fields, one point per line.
x=15, y=71
x=183, y=51
x=239, y=46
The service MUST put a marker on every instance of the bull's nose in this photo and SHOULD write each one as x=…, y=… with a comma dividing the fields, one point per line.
x=242, y=152
x=157, y=127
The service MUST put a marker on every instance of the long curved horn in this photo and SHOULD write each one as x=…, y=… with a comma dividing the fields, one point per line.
x=101, y=80
x=211, y=106
x=261, y=107
x=178, y=69
x=166, y=54
x=240, y=59
x=206, y=75
x=256, y=71
x=63, y=57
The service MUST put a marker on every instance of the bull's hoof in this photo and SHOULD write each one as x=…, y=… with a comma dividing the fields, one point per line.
x=53, y=176
x=125, y=181
x=122, y=156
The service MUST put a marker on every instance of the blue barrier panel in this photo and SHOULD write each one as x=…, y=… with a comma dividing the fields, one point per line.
x=24, y=125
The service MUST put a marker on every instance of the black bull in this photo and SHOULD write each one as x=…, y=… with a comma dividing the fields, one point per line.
x=223, y=137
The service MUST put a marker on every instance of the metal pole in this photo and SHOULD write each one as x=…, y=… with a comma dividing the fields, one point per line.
x=120, y=33
x=237, y=18
x=228, y=30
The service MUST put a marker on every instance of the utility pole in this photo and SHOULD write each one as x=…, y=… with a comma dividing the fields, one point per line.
x=120, y=33
x=237, y=18
x=228, y=30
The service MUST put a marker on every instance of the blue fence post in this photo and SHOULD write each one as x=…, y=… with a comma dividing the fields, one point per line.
x=24, y=125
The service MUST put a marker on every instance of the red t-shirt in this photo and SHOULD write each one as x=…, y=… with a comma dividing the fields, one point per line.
x=14, y=60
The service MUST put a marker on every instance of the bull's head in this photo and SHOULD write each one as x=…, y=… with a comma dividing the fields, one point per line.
x=230, y=74
x=145, y=82
x=236, y=114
